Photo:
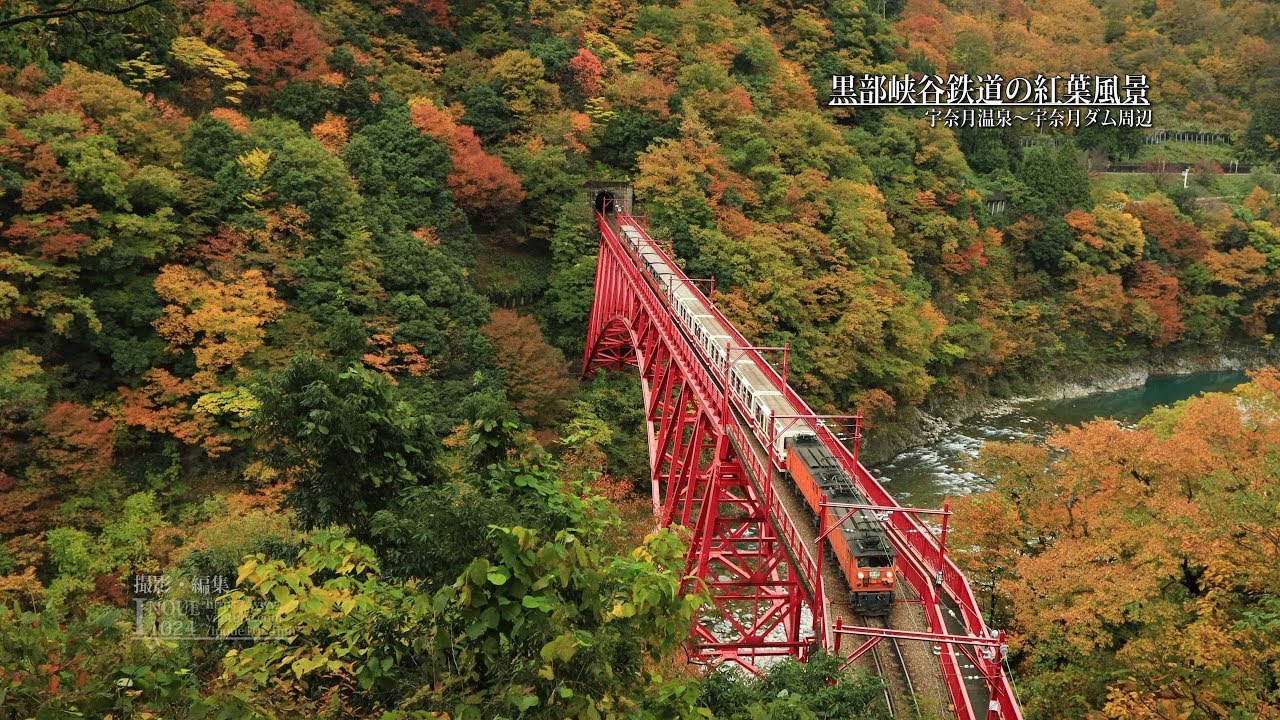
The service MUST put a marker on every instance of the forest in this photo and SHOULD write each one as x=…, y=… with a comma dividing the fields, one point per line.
x=292, y=294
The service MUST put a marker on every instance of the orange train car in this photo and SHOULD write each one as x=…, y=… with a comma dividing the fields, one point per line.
x=860, y=546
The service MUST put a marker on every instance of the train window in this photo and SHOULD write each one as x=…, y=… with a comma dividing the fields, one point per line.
x=761, y=415
x=781, y=433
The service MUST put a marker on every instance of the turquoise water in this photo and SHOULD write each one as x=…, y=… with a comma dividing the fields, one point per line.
x=923, y=476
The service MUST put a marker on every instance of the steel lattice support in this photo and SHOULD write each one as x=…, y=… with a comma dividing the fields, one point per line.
x=759, y=603
x=712, y=472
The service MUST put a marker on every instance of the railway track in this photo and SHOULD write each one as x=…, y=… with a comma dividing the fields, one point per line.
x=887, y=659
x=685, y=340
x=899, y=692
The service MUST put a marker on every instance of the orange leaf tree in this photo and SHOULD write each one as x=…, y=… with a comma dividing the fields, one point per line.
x=480, y=182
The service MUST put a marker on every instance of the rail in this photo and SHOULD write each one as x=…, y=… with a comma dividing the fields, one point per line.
x=782, y=521
x=929, y=572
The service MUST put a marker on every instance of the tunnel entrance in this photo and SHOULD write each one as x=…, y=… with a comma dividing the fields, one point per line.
x=604, y=200
x=599, y=194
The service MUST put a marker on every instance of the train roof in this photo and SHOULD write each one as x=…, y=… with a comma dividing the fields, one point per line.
x=863, y=532
x=824, y=468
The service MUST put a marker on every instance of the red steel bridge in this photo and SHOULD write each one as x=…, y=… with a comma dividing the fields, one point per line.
x=716, y=470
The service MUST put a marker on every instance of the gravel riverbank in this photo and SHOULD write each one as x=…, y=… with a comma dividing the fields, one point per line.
x=937, y=418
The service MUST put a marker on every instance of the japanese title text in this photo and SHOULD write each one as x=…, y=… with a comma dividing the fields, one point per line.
x=992, y=100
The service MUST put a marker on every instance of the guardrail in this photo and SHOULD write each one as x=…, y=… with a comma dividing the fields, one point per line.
x=758, y=466
x=928, y=571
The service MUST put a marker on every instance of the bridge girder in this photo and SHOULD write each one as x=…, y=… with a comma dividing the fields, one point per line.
x=758, y=603
x=765, y=586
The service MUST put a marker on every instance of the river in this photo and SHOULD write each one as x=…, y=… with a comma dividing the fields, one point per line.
x=923, y=476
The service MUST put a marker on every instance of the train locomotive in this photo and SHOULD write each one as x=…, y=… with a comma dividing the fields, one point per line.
x=861, y=548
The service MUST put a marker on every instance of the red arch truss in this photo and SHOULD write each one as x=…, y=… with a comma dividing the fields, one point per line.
x=713, y=470
x=764, y=605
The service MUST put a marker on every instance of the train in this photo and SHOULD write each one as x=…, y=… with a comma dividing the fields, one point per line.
x=861, y=548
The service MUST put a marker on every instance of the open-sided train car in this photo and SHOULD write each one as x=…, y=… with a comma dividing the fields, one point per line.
x=860, y=547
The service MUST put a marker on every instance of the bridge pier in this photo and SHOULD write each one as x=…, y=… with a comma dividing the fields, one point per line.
x=759, y=600
x=714, y=472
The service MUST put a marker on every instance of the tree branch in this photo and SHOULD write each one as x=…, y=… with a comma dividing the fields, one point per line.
x=72, y=11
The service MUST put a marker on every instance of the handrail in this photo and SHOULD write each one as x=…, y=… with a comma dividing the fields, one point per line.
x=751, y=459
x=928, y=569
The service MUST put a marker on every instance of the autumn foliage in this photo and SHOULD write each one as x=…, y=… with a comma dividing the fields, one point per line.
x=535, y=377
x=251, y=250
x=75, y=445
x=276, y=40
x=218, y=321
x=1124, y=550
x=237, y=121
x=332, y=132
x=480, y=182
x=390, y=357
x=588, y=71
